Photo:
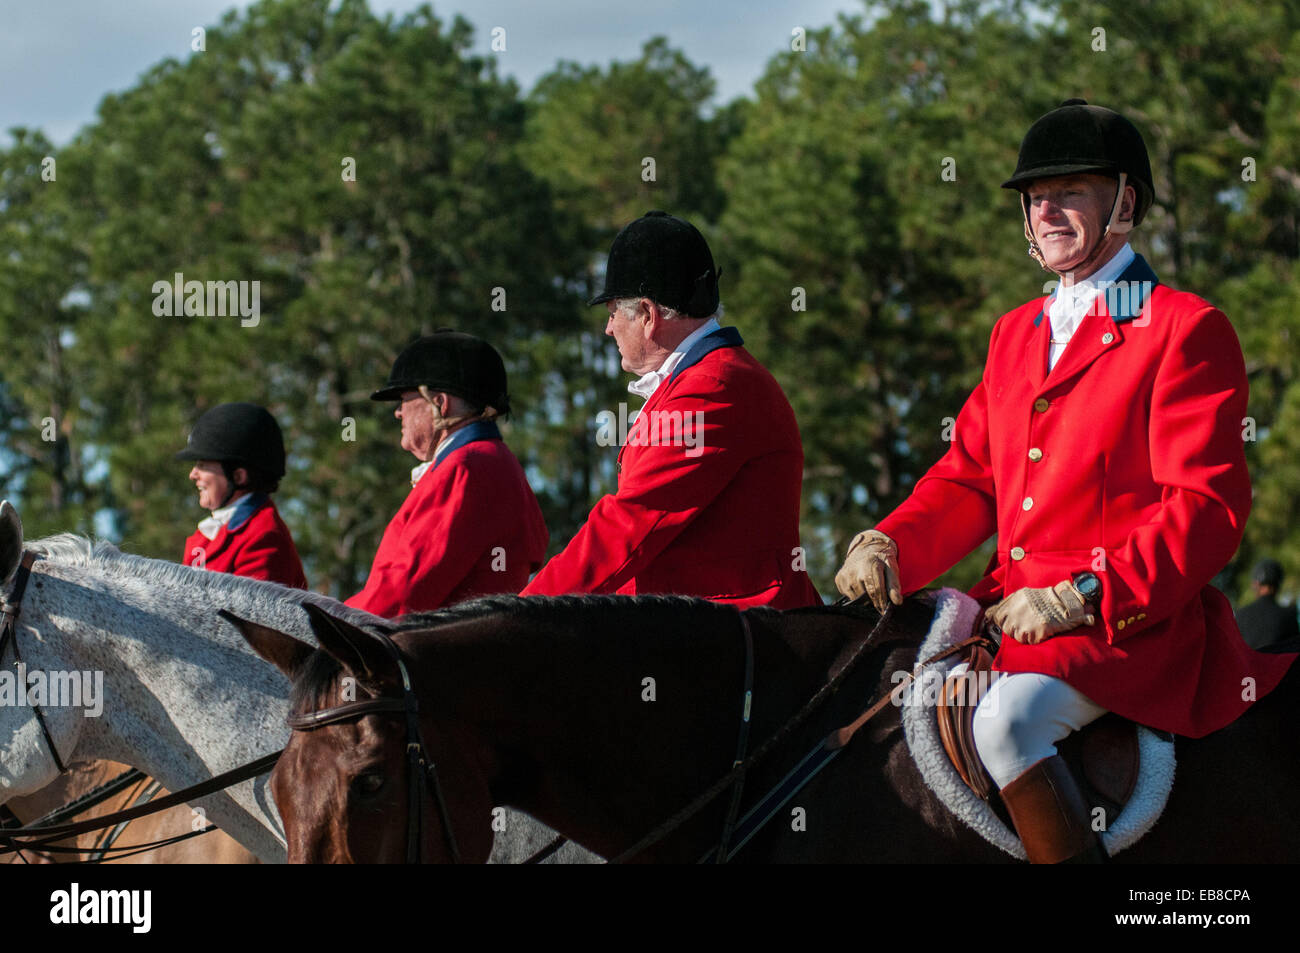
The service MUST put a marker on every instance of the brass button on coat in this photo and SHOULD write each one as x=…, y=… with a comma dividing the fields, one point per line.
x=1035, y=454
x=1119, y=624
x=1017, y=553
x=1040, y=405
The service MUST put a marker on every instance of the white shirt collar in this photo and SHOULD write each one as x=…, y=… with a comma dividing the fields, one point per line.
x=441, y=450
x=1070, y=304
x=211, y=526
x=647, y=384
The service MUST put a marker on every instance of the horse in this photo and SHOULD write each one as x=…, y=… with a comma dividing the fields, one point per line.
x=607, y=716
x=212, y=847
x=184, y=698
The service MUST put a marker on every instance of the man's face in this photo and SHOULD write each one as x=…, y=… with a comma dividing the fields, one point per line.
x=630, y=334
x=418, y=434
x=211, y=482
x=1068, y=214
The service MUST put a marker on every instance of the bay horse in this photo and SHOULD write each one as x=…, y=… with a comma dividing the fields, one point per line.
x=604, y=715
x=184, y=698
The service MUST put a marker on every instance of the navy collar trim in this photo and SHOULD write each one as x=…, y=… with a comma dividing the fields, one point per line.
x=245, y=509
x=723, y=337
x=471, y=433
x=1128, y=294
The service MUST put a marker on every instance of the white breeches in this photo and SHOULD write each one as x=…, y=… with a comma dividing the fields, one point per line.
x=1022, y=717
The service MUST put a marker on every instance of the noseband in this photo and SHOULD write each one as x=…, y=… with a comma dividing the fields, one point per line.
x=422, y=772
x=9, y=635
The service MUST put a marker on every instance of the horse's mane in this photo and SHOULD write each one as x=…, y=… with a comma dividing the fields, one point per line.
x=517, y=605
x=69, y=549
x=316, y=680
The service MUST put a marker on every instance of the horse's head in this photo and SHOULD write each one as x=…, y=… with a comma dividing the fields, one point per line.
x=344, y=783
x=11, y=541
x=28, y=760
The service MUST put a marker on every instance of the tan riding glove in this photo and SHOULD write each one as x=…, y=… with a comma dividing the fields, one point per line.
x=871, y=566
x=1035, y=615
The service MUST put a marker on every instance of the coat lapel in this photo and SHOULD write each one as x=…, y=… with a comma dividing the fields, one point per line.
x=723, y=337
x=1124, y=301
x=1036, y=348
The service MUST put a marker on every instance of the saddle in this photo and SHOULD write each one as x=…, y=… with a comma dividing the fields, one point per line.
x=1102, y=755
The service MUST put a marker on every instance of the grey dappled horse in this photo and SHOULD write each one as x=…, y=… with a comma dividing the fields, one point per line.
x=184, y=697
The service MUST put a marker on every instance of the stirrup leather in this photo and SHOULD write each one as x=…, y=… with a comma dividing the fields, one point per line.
x=955, y=711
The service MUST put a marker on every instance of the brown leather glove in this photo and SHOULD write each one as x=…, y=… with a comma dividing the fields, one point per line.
x=1035, y=615
x=871, y=566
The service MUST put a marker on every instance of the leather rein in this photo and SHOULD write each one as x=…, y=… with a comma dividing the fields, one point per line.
x=17, y=840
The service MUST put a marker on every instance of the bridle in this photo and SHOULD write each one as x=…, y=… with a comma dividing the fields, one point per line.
x=9, y=635
x=54, y=826
x=422, y=772
x=419, y=764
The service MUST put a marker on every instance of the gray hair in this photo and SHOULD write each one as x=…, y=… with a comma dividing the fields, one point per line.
x=625, y=307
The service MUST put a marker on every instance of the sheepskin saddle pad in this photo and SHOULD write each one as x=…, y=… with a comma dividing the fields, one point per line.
x=955, y=614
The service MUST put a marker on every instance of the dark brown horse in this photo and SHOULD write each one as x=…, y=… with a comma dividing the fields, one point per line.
x=602, y=716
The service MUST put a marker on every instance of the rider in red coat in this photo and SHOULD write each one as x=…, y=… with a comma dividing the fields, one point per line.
x=1104, y=447
x=712, y=466
x=471, y=525
x=239, y=459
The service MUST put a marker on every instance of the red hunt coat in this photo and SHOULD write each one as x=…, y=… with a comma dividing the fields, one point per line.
x=1127, y=460
x=708, y=493
x=471, y=526
x=255, y=543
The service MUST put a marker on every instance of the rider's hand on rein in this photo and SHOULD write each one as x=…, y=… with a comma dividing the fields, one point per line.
x=871, y=567
x=1035, y=615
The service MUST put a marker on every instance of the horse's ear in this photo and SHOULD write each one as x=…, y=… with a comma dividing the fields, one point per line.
x=11, y=540
x=283, y=651
x=357, y=650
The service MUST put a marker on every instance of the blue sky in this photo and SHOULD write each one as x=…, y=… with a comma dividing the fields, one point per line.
x=59, y=57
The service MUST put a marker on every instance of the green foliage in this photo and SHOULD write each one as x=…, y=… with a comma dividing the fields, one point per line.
x=864, y=174
x=230, y=167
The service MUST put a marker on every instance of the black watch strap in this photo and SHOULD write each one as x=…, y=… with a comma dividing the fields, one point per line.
x=1089, y=587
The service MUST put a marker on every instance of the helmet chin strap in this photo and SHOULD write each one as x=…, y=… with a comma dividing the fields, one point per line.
x=232, y=486
x=1035, y=252
x=1113, y=225
x=444, y=423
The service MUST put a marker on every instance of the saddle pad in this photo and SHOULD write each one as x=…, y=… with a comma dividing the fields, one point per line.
x=954, y=619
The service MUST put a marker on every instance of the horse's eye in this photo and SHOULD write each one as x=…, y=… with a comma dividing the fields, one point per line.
x=368, y=785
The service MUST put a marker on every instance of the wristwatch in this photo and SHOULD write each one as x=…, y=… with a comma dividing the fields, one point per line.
x=1088, y=586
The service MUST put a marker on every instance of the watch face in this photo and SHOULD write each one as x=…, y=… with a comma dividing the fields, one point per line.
x=1088, y=585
